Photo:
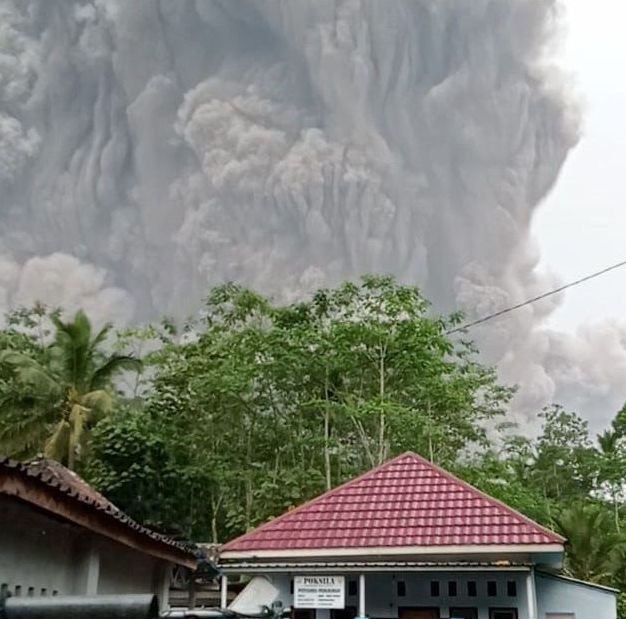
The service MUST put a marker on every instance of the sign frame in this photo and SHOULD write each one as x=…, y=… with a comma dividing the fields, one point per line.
x=319, y=591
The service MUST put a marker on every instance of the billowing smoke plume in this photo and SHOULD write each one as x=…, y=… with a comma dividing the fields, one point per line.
x=150, y=149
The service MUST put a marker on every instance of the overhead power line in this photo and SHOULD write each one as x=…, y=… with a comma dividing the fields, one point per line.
x=545, y=295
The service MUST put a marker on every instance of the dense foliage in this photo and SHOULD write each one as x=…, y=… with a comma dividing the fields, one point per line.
x=53, y=393
x=255, y=407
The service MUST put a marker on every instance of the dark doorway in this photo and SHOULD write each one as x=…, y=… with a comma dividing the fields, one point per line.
x=419, y=613
x=349, y=612
x=503, y=613
x=463, y=613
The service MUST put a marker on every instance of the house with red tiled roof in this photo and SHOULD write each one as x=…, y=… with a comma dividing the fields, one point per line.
x=58, y=536
x=408, y=540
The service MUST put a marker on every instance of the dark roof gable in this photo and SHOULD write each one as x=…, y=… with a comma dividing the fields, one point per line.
x=53, y=488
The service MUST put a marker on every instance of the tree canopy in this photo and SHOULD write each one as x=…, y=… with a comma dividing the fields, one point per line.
x=52, y=394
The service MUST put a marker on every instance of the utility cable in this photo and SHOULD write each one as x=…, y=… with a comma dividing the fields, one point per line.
x=479, y=321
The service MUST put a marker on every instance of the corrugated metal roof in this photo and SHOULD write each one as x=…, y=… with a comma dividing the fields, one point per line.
x=406, y=502
x=52, y=476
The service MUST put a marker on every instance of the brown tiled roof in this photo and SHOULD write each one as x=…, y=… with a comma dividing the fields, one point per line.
x=55, y=481
x=55, y=474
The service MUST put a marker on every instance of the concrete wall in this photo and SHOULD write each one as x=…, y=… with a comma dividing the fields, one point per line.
x=563, y=597
x=35, y=552
x=41, y=555
x=382, y=600
x=554, y=596
x=123, y=570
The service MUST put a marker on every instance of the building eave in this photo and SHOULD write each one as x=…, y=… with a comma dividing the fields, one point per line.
x=376, y=553
x=309, y=567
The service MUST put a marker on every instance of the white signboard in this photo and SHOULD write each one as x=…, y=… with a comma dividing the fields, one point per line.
x=319, y=592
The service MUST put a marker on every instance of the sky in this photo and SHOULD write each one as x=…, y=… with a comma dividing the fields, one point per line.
x=581, y=226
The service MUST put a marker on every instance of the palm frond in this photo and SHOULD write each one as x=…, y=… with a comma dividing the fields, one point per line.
x=100, y=337
x=13, y=358
x=113, y=365
x=592, y=542
x=22, y=435
x=74, y=340
x=31, y=377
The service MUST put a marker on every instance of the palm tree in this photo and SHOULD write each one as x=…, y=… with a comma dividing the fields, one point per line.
x=55, y=398
x=594, y=549
x=611, y=463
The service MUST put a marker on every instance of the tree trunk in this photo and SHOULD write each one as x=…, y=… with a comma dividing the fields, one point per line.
x=430, y=435
x=248, y=482
x=215, y=508
x=382, y=420
x=365, y=440
x=327, y=470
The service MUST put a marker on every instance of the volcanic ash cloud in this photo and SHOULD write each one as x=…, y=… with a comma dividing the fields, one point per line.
x=173, y=145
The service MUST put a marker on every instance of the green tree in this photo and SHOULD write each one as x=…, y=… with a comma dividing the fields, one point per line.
x=262, y=405
x=565, y=461
x=132, y=463
x=54, y=393
x=594, y=549
x=611, y=465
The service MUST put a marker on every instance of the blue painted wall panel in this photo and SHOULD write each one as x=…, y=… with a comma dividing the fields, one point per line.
x=555, y=595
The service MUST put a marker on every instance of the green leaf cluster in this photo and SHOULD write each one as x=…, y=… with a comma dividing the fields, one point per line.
x=55, y=384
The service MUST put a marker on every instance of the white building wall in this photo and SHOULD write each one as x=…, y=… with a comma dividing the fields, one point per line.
x=37, y=554
x=41, y=555
x=555, y=596
x=382, y=600
x=558, y=596
x=123, y=570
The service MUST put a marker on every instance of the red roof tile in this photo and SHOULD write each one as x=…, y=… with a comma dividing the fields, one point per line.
x=405, y=502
